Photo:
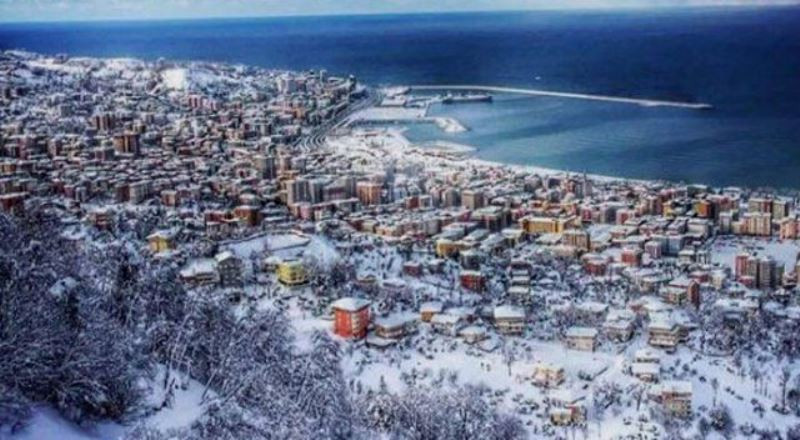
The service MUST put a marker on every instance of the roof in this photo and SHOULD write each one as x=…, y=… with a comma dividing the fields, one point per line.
x=202, y=265
x=567, y=396
x=645, y=368
x=592, y=307
x=222, y=256
x=581, y=332
x=350, y=304
x=443, y=318
x=676, y=387
x=509, y=312
x=472, y=330
x=395, y=320
x=646, y=353
x=431, y=307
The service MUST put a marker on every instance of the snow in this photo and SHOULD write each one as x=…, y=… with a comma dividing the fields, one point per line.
x=350, y=304
x=286, y=246
x=725, y=249
x=47, y=424
x=186, y=405
x=509, y=312
x=189, y=78
x=176, y=79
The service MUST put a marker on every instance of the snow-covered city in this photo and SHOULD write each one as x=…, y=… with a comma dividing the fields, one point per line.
x=197, y=250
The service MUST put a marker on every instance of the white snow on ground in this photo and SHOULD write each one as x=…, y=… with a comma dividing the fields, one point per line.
x=271, y=242
x=725, y=249
x=175, y=79
x=188, y=78
x=186, y=404
x=47, y=424
x=185, y=408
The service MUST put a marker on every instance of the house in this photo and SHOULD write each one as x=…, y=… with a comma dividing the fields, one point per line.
x=350, y=317
x=430, y=309
x=548, y=375
x=292, y=273
x=568, y=407
x=618, y=325
x=520, y=293
x=663, y=332
x=103, y=218
x=682, y=290
x=581, y=338
x=645, y=355
x=412, y=268
x=509, y=320
x=161, y=241
x=446, y=323
x=472, y=280
x=394, y=326
x=229, y=268
x=200, y=272
x=473, y=334
x=646, y=371
x=591, y=312
x=446, y=248
x=675, y=397
x=618, y=330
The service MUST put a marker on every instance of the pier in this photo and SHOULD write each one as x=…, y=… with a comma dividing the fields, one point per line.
x=537, y=92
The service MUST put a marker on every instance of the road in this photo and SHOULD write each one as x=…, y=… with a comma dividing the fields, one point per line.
x=537, y=92
x=316, y=138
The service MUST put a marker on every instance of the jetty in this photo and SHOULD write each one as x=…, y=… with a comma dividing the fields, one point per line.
x=569, y=95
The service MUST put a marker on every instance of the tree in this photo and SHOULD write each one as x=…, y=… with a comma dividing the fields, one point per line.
x=721, y=420
x=793, y=433
x=715, y=387
x=15, y=409
x=783, y=380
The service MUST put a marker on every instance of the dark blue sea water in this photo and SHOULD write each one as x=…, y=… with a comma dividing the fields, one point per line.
x=746, y=62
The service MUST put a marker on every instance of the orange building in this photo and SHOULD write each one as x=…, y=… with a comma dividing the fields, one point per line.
x=369, y=193
x=350, y=317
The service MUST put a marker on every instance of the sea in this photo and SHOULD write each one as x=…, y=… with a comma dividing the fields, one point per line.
x=743, y=61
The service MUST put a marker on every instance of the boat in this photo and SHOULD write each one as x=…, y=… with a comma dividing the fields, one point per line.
x=464, y=98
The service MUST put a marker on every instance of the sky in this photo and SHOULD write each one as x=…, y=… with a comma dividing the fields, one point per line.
x=71, y=10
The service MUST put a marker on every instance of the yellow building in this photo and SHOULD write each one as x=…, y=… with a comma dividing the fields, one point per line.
x=292, y=273
x=446, y=248
x=161, y=241
x=546, y=225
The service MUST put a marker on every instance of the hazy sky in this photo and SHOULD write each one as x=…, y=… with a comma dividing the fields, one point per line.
x=47, y=10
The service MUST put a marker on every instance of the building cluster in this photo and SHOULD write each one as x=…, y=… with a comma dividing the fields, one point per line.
x=206, y=153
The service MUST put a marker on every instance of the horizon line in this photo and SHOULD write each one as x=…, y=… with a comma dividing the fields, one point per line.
x=618, y=8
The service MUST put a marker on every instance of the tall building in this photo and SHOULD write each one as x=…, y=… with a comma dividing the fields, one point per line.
x=578, y=238
x=759, y=204
x=780, y=209
x=265, y=165
x=472, y=200
x=317, y=190
x=297, y=190
x=103, y=122
x=127, y=143
x=758, y=223
x=369, y=193
x=351, y=317
x=789, y=228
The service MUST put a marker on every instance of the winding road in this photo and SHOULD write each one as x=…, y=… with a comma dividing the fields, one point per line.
x=316, y=139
